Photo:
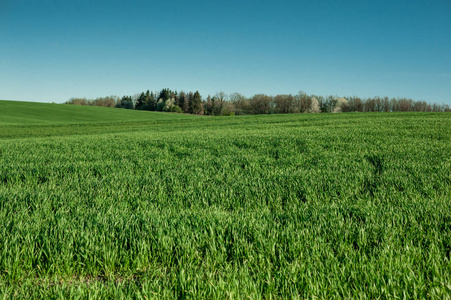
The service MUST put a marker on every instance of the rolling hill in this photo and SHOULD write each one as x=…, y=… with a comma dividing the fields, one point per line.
x=33, y=113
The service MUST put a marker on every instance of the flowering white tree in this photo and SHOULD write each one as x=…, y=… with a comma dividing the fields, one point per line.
x=340, y=102
x=168, y=104
x=314, y=106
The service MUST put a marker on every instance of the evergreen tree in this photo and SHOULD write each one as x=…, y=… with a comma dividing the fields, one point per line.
x=140, y=102
x=195, y=105
x=126, y=102
x=189, y=99
x=149, y=101
x=165, y=94
x=176, y=98
x=184, y=100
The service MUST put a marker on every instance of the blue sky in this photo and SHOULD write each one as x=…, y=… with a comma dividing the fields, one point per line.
x=52, y=50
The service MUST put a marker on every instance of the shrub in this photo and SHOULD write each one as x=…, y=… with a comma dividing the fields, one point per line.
x=176, y=109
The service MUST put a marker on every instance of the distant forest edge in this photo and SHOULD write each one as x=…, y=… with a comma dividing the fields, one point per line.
x=236, y=104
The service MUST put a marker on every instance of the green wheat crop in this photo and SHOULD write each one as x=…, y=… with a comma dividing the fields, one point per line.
x=156, y=205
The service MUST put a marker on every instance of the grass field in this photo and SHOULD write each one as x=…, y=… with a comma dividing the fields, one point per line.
x=110, y=203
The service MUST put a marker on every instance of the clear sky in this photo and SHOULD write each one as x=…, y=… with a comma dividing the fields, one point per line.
x=52, y=50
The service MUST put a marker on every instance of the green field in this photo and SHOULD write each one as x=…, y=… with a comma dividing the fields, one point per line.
x=111, y=203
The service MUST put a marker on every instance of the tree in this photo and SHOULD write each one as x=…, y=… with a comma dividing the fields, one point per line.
x=341, y=105
x=183, y=102
x=168, y=104
x=284, y=104
x=125, y=102
x=176, y=98
x=301, y=103
x=261, y=104
x=228, y=109
x=195, y=105
x=370, y=105
x=150, y=102
x=77, y=101
x=165, y=94
x=386, y=104
x=160, y=105
x=218, y=102
x=314, y=106
x=405, y=104
x=208, y=106
x=109, y=101
x=140, y=102
x=241, y=103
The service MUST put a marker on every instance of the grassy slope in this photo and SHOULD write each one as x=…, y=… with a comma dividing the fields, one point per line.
x=31, y=119
x=285, y=206
x=32, y=113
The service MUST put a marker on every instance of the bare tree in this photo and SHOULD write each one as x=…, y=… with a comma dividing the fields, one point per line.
x=284, y=104
x=261, y=104
x=241, y=103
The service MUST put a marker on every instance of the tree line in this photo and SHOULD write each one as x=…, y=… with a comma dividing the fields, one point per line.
x=222, y=104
